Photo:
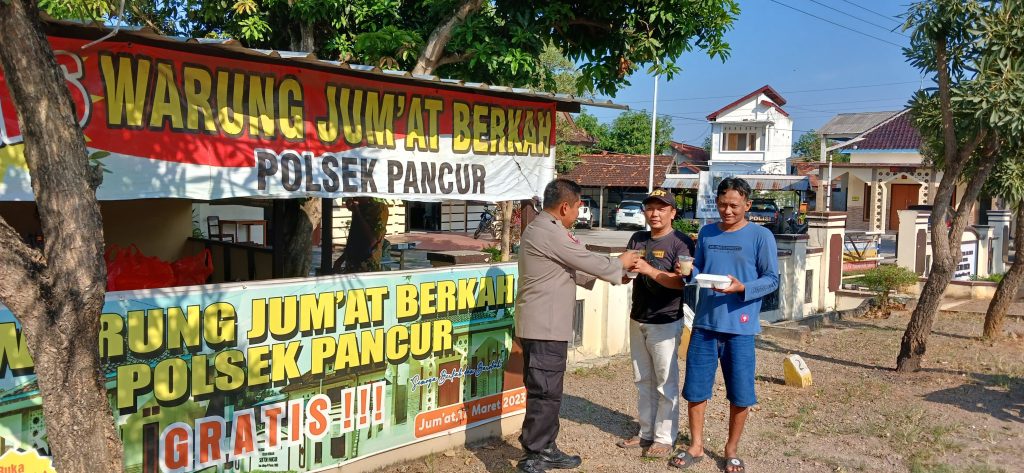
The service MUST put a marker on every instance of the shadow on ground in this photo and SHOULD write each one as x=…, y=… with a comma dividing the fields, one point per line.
x=497, y=455
x=585, y=411
x=1000, y=396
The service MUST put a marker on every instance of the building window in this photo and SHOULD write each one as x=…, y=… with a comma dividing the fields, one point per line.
x=742, y=142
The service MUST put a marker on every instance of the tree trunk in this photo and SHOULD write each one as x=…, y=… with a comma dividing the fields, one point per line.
x=1008, y=287
x=299, y=215
x=946, y=254
x=307, y=41
x=58, y=294
x=506, y=230
x=433, y=53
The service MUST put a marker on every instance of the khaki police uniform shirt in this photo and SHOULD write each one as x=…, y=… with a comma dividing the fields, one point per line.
x=549, y=258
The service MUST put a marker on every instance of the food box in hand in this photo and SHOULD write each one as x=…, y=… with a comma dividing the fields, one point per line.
x=708, y=281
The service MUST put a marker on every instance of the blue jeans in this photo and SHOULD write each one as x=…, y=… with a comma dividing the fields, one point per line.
x=736, y=352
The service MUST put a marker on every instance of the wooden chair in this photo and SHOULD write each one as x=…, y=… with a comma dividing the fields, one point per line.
x=213, y=230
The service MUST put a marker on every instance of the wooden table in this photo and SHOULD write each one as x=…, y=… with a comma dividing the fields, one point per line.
x=248, y=224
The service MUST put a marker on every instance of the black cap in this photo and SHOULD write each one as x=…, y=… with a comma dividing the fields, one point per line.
x=662, y=195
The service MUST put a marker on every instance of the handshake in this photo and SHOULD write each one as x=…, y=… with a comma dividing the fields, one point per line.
x=634, y=263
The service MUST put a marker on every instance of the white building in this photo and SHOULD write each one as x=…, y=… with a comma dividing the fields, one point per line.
x=752, y=135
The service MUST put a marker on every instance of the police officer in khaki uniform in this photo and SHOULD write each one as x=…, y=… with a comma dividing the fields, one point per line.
x=549, y=259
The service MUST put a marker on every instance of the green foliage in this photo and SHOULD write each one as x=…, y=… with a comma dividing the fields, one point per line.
x=1007, y=179
x=504, y=42
x=78, y=9
x=707, y=144
x=996, y=278
x=687, y=226
x=885, y=279
x=985, y=44
x=197, y=231
x=630, y=133
x=557, y=73
x=389, y=47
x=494, y=251
x=96, y=160
x=808, y=146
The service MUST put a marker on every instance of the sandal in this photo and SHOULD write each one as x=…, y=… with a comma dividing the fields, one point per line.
x=736, y=464
x=658, y=450
x=684, y=460
x=634, y=442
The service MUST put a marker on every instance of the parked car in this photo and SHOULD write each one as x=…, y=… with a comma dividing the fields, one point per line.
x=586, y=218
x=765, y=212
x=629, y=213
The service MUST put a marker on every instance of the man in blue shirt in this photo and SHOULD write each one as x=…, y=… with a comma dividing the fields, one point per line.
x=727, y=319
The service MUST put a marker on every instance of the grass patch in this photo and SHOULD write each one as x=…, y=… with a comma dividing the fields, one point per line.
x=947, y=468
x=1004, y=381
x=603, y=372
x=911, y=433
x=804, y=415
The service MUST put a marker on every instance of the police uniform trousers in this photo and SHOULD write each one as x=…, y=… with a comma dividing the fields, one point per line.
x=544, y=368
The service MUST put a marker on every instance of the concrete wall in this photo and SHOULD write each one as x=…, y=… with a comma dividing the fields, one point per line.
x=984, y=290
x=857, y=201
x=159, y=227
x=230, y=212
x=605, y=321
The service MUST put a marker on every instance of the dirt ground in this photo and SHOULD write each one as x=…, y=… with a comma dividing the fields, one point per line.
x=964, y=412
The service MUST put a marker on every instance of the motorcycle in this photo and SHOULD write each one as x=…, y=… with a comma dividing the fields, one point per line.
x=487, y=222
x=795, y=228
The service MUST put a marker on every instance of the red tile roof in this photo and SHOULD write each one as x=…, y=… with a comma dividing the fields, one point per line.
x=809, y=169
x=692, y=153
x=770, y=104
x=896, y=133
x=767, y=90
x=618, y=170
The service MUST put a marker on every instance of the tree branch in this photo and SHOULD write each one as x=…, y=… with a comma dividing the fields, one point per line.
x=427, y=63
x=589, y=22
x=145, y=18
x=454, y=58
x=945, y=103
x=965, y=207
x=23, y=268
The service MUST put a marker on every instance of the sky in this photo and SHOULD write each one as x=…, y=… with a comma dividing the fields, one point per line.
x=821, y=69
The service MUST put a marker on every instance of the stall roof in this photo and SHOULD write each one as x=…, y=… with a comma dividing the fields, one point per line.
x=759, y=182
x=681, y=181
x=233, y=49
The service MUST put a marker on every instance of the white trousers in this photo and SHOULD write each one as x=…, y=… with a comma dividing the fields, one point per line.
x=654, y=349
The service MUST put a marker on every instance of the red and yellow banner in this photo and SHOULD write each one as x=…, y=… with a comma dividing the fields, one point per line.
x=171, y=122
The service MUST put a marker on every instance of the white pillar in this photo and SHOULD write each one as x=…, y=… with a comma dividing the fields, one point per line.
x=985, y=244
x=1000, y=222
x=792, y=280
x=827, y=231
x=906, y=240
